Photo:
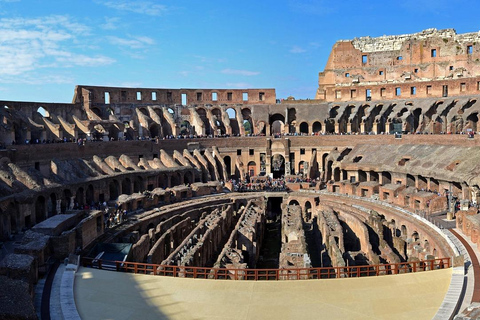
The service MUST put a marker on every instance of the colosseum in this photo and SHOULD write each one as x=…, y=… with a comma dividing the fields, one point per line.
x=155, y=203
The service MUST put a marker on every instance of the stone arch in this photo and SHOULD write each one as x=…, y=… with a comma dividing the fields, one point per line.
x=336, y=174
x=317, y=127
x=277, y=123
x=472, y=121
x=40, y=210
x=293, y=202
x=138, y=184
x=52, y=205
x=163, y=181
x=228, y=165
x=202, y=113
x=386, y=177
x=127, y=186
x=252, y=168
x=410, y=180
x=113, y=188
x=97, y=111
x=90, y=195
x=66, y=199
x=187, y=178
x=176, y=179
x=185, y=128
x=80, y=196
x=154, y=130
x=278, y=165
x=303, y=127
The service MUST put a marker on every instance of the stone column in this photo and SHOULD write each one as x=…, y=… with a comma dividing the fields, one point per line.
x=59, y=206
x=72, y=202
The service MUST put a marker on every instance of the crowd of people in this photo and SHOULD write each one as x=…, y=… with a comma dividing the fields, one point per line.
x=268, y=184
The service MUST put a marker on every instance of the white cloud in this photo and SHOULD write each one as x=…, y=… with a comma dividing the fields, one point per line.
x=31, y=44
x=133, y=42
x=297, y=49
x=240, y=72
x=142, y=7
x=110, y=23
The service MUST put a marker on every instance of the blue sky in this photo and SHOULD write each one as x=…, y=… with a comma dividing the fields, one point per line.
x=47, y=47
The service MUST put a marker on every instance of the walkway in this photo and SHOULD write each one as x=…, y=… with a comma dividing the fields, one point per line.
x=101, y=294
x=475, y=265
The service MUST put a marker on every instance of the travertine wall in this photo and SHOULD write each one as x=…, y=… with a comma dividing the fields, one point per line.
x=398, y=67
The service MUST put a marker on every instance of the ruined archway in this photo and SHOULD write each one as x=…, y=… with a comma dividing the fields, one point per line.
x=278, y=166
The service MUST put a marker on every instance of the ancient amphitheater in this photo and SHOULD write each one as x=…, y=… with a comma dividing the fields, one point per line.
x=233, y=204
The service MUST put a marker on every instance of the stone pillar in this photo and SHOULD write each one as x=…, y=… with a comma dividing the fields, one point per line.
x=349, y=126
x=72, y=203
x=375, y=127
x=337, y=127
x=362, y=127
x=59, y=206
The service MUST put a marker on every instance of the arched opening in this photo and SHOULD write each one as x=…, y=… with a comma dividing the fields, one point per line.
x=154, y=130
x=127, y=186
x=362, y=176
x=176, y=180
x=67, y=196
x=247, y=126
x=128, y=132
x=202, y=113
x=434, y=185
x=52, y=205
x=278, y=166
x=252, y=168
x=261, y=128
x=386, y=177
x=308, y=211
x=277, y=123
x=138, y=185
x=336, y=174
x=404, y=230
x=302, y=167
x=187, y=178
x=374, y=176
x=80, y=197
x=163, y=181
x=304, y=128
x=422, y=183
x=415, y=236
x=113, y=190
x=97, y=112
x=232, y=116
x=43, y=112
x=317, y=127
x=228, y=165
x=90, y=195
x=410, y=180
x=217, y=117
x=293, y=203
x=185, y=128
x=40, y=212
x=247, y=116
x=12, y=214
x=472, y=121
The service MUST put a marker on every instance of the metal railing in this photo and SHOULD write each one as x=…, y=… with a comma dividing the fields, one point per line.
x=270, y=274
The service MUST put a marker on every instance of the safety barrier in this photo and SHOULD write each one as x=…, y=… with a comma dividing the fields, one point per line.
x=270, y=274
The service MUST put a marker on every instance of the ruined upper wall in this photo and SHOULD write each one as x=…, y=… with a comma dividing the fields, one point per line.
x=431, y=63
x=395, y=43
x=91, y=95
